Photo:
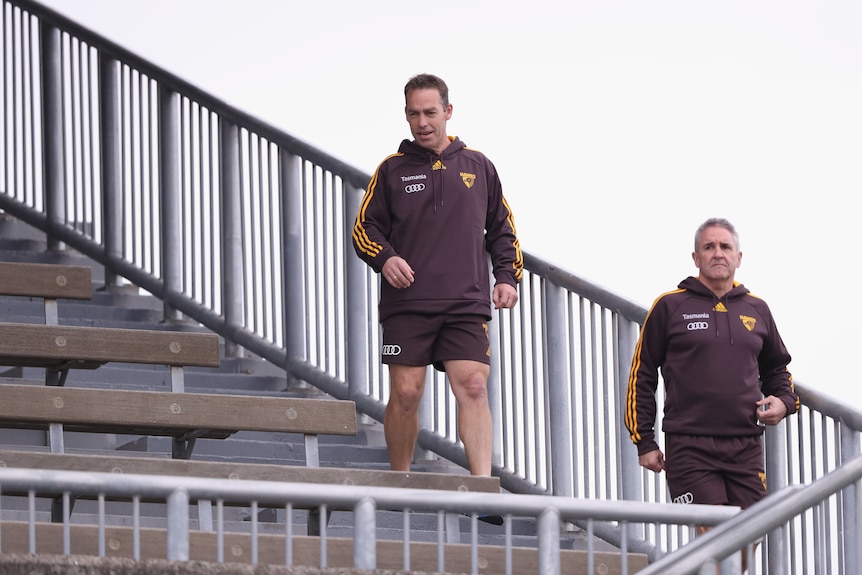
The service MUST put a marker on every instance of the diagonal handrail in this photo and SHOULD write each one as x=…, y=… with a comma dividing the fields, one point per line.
x=270, y=231
x=757, y=521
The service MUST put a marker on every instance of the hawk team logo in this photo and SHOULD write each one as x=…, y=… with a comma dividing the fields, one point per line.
x=438, y=165
x=485, y=326
x=720, y=307
x=748, y=322
x=468, y=179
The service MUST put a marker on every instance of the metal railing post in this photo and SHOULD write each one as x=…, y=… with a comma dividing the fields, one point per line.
x=495, y=391
x=559, y=400
x=111, y=163
x=365, y=540
x=356, y=294
x=630, y=470
x=178, y=526
x=549, y=542
x=427, y=406
x=293, y=280
x=630, y=474
x=776, y=477
x=232, y=247
x=851, y=503
x=169, y=198
x=53, y=140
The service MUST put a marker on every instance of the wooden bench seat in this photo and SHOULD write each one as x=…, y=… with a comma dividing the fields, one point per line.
x=169, y=413
x=49, y=281
x=183, y=416
x=203, y=546
x=63, y=347
x=60, y=348
x=248, y=471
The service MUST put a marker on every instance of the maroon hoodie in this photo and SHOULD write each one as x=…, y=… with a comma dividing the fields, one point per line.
x=718, y=356
x=443, y=214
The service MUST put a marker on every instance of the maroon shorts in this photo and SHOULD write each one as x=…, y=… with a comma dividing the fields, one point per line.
x=417, y=339
x=715, y=470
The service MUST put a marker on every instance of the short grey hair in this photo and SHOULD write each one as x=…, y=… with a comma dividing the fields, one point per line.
x=716, y=222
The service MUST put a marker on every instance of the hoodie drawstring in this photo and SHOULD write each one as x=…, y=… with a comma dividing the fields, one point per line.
x=716, y=302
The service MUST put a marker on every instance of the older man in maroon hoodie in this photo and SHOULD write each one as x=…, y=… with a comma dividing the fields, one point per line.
x=725, y=373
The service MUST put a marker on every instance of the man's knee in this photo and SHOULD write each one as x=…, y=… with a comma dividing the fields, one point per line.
x=476, y=387
x=469, y=380
x=406, y=384
x=407, y=399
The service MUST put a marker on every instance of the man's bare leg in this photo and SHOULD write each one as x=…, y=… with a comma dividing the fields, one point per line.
x=469, y=383
x=401, y=418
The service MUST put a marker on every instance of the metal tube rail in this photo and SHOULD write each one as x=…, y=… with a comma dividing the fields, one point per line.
x=756, y=521
x=241, y=174
x=347, y=496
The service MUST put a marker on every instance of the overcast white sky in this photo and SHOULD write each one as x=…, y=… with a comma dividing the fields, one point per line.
x=617, y=127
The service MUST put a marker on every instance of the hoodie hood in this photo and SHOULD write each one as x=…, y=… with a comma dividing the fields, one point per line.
x=437, y=162
x=411, y=148
x=719, y=304
x=694, y=285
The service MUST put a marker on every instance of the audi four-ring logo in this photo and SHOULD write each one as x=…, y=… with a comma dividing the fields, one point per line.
x=686, y=497
x=414, y=188
x=695, y=325
x=391, y=349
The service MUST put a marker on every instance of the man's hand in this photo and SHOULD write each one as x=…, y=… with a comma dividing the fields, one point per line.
x=505, y=296
x=770, y=410
x=397, y=272
x=652, y=460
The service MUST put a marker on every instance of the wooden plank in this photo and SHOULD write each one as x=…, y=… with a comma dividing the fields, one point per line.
x=46, y=280
x=248, y=471
x=167, y=413
x=82, y=346
x=84, y=540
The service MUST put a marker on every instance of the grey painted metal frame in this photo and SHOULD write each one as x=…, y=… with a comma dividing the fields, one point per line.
x=111, y=176
x=169, y=197
x=180, y=492
x=763, y=517
x=733, y=530
x=560, y=359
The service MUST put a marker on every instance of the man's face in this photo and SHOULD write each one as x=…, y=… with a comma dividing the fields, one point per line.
x=717, y=256
x=427, y=118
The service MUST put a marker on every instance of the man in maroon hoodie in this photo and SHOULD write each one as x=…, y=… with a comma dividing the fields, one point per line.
x=430, y=216
x=724, y=367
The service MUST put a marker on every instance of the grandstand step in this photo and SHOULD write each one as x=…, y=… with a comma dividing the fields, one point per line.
x=127, y=307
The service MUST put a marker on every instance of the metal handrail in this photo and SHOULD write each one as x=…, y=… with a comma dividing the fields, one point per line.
x=757, y=521
x=166, y=78
x=179, y=492
x=245, y=229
